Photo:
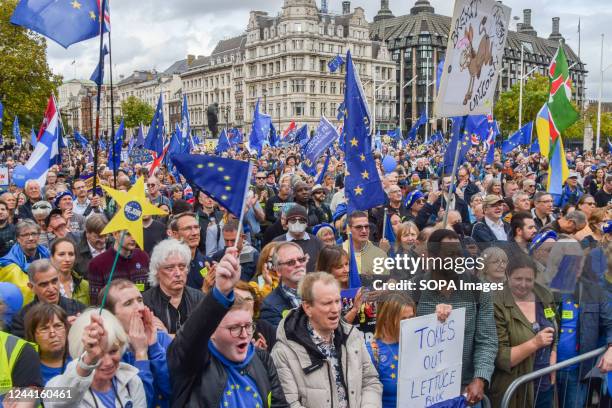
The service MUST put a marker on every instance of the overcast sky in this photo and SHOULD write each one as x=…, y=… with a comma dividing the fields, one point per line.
x=154, y=33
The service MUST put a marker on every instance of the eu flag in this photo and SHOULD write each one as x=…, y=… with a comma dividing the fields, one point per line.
x=260, y=129
x=323, y=138
x=223, y=179
x=140, y=138
x=459, y=138
x=363, y=188
x=301, y=136
x=155, y=136
x=520, y=137
x=335, y=63
x=33, y=138
x=98, y=75
x=114, y=156
x=185, y=124
x=65, y=22
x=16, y=131
x=389, y=233
x=273, y=136
x=223, y=143
x=80, y=139
x=477, y=125
x=235, y=137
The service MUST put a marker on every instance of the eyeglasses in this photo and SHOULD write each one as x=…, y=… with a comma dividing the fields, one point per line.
x=294, y=220
x=46, y=330
x=29, y=235
x=151, y=185
x=236, y=331
x=293, y=262
x=260, y=178
x=361, y=227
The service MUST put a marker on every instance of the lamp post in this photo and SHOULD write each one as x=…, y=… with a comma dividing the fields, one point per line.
x=427, y=85
x=601, y=77
x=521, y=79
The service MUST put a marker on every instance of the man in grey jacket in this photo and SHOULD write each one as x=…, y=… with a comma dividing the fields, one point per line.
x=316, y=351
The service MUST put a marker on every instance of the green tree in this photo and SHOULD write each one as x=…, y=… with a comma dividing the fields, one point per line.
x=535, y=92
x=135, y=112
x=26, y=81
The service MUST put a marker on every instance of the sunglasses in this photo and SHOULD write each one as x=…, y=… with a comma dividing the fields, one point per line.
x=293, y=262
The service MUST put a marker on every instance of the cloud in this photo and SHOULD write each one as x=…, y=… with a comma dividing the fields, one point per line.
x=155, y=33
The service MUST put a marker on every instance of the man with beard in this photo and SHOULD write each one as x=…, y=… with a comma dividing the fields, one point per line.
x=480, y=341
x=44, y=283
x=523, y=229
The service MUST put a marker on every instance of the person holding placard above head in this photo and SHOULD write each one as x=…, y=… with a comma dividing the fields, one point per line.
x=527, y=332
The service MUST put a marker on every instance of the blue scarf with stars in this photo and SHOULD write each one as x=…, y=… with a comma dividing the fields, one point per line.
x=240, y=390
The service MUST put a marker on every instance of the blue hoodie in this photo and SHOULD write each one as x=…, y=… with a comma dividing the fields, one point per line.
x=16, y=256
x=240, y=390
x=154, y=371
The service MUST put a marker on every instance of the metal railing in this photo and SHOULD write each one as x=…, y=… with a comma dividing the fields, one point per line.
x=547, y=370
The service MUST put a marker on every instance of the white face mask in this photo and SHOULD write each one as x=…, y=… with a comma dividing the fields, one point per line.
x=297, y=227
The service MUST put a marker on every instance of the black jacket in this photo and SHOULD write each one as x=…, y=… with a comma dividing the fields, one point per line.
x=429, y=210
x=274, y=306
x=71, y=307
x=484, y=236
x=158, y=302
x=83, y=257
x=198, y=377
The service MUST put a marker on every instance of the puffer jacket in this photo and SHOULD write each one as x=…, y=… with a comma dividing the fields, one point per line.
x=307, y=376
x=130, y=391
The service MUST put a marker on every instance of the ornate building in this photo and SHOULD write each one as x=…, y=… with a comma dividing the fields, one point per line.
x=282, y=62
x=418, y=42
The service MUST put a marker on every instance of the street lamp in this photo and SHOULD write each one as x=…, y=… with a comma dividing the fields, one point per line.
x=376, y=89
x=427, y=85
x=601, y=76
x=521, y=79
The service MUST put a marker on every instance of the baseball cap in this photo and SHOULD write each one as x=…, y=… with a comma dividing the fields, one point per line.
x=491, y=199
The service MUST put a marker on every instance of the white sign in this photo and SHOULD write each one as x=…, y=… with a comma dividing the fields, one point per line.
x=430, y=359
x=4, y=176
x=473, y=58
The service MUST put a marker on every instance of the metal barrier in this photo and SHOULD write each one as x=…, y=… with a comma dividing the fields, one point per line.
x=539, y=373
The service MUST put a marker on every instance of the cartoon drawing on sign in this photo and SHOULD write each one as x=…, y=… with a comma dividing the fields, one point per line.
x=474, y=61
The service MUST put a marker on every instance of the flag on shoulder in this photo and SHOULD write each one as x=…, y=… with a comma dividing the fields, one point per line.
x=222, y=179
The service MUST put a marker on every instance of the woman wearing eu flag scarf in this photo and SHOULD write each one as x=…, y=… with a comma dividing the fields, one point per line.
x=229, y=371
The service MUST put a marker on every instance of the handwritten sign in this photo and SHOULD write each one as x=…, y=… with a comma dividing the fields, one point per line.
x=473, y=58
x=4, y=176
x=430, y=357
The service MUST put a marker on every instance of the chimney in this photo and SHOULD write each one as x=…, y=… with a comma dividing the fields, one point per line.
x=384, y=11
x=555, y=35
x=190, y=59
x=346, y=7
x=526, y=27
x=527, y=17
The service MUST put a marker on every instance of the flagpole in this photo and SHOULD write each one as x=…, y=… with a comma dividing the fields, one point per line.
x=384, y=230
x=452, y=180
x=100, y=62
x=112, y=102
x=246, y=189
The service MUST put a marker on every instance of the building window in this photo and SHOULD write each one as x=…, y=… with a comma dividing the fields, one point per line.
x=323, y=108
x=313, y=109
x=323, y=87
x=333, y=87
x=297, y=108
x=312, y=86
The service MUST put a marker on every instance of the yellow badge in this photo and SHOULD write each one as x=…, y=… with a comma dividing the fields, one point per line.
x=285, y=313
x=567, y=315
x=549, y=313
x=140, y=287
x=204, y=271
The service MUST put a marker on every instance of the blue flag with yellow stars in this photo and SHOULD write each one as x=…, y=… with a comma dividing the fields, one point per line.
x=363, y=188
x=155, y=136
x=225, y=180
x=65, y=22
x=114, y=156
x=461, y=136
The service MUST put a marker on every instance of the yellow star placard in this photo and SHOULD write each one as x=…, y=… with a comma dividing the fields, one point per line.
x=133, y=206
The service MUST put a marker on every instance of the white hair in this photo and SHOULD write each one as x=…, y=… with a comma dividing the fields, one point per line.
x=115, y=333
x=160, y=254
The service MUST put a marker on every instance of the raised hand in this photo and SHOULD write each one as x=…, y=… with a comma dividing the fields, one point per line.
x=228, y=271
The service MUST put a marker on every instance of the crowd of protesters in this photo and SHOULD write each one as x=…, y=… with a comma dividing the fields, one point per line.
x=208, y=314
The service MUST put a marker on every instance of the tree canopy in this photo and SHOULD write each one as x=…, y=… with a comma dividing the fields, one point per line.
x=26, y=80
x=135, y=112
